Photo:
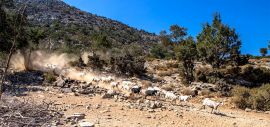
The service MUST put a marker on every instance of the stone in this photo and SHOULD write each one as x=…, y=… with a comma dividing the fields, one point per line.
x=78, y=116
x=248, y=110
x=151, y=110
x=60, y=82
x=267, y=112
x=86, y=124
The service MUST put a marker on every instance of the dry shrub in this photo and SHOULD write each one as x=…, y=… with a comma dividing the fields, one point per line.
x=242, y=97
x=161, y=67
x=256, y=75
x=187, y=91
x=201, y=74
x=205, y=92
x=164, y=73
x=49, y=77
x=146, y=84
x=168, y=87
x=158, y=79
x=151, y=71
x=255, y=98
x=172, y=64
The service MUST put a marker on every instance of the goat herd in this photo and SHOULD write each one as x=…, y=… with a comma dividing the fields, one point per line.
x=140, y=89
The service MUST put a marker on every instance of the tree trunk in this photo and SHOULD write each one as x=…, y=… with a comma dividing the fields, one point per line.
x=6, y=68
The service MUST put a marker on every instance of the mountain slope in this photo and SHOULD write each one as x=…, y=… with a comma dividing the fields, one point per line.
x=65, y=24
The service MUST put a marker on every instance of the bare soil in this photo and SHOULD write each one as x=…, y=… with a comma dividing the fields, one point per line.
x=107, y=112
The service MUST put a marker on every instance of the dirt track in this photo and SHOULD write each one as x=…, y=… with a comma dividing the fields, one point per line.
x=117, y=114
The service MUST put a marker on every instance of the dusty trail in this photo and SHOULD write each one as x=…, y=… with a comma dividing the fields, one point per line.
x=105, y=113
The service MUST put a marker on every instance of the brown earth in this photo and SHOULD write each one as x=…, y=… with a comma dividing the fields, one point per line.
x=118, y=114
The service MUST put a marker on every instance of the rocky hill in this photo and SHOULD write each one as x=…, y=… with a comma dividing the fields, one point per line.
x=66, y=24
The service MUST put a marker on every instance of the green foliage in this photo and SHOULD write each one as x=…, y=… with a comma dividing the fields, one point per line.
x=177, y=33
x=256, y=98
x=101, y=42
x=12, y=27
x=158, y=51
x=35, y=35
x=186, y=54
x=49, y=77
x=127, y=60
x=165, y=39
x=263, y=51
x=218, y=43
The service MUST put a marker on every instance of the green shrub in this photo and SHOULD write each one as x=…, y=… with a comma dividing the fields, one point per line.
x=159, y=51
x=130, y=65
x=96, y=62
x=49, y=77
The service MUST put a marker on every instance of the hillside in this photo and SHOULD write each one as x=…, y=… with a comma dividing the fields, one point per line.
x=69, y=25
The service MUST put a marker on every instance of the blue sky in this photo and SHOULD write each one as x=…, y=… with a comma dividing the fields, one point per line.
x=250, y=18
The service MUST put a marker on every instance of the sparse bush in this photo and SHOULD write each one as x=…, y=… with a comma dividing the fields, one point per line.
x=130, y=65
x=158, y=51
x=49, y=77
x=224, y=88
x=164, y=73
x=146, y=84
x=205, y=92
x=242, y=97
x=168, y=87
x=255, y=98
x=95, y=62
x=187, y=91
x=257, y=75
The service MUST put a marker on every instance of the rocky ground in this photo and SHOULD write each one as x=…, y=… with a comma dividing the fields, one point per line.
x=82, y=102
x=121, y=113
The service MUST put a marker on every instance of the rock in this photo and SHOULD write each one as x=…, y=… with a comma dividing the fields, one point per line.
x=267, y=112
x=86, y=124
x=60, y=82
x=66, y=90
x=151, y=110
x=85, y=85
x=248, y=110
x=155, y=104
x=78, y=116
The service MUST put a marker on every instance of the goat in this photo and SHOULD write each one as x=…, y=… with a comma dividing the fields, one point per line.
x=171, y=96
x=114, y=84
x=212, y=104
x=136, y=89
x=126, y=87
x=95, y=79
x=149, y=92
x=128, y=83
x=107, y=79
x=184, y=98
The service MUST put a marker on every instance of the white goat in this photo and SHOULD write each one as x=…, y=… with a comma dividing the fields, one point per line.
x=184, y=98
x=171, y=96
x=212, y=104
x=129, y=83
x=107, y=79
x=114, y=84
x=95, y=79
x=125, y=87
